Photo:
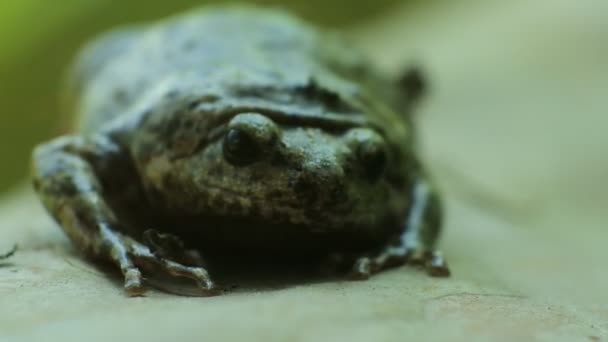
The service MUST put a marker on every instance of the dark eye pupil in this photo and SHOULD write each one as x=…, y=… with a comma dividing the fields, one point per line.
x=239, y=148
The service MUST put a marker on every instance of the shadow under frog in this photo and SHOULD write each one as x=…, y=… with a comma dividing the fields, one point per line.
x=248, y=136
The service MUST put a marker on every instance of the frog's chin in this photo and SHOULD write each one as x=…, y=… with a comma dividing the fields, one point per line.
x=311, y=219
x=289, y=218
x=231, y=208
x=271, y=218
x=253, y=233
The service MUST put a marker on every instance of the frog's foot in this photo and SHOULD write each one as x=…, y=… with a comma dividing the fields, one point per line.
x=134, y=257
x=432, y=261
x=171, y=246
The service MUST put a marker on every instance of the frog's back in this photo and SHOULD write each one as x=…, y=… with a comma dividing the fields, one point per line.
x=269, y=46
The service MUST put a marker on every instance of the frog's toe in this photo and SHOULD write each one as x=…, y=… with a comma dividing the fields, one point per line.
x=362, y=269
x=139, y=263
x=432, y=261
x=120, y=253
x=436, y=265
x=198, y=274
x=365, y=267
x=150, y=263
x=133, y=283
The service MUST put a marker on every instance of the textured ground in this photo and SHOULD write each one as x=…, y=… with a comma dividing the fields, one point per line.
x=515, y=133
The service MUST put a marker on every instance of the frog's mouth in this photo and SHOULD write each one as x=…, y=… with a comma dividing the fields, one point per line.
x=309, y=209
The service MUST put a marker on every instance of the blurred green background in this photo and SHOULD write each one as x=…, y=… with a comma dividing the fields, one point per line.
x=40, y=38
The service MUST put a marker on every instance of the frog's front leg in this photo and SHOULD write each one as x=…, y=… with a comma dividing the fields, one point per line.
x=417, y=242
x=73, y=177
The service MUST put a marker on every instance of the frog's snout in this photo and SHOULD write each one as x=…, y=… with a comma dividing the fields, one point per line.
x=327, y=172
x=318, y=183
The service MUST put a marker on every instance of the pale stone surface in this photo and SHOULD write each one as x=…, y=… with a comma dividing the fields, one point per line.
x=515, y=133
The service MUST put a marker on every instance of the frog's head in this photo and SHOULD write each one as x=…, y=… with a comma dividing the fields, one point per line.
x=279, y=169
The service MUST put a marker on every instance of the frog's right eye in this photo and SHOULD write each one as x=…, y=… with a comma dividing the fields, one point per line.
x=239, y=148
x=249, y=135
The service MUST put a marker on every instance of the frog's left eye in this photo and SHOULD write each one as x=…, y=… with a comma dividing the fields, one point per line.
x=249, y=136
x=239, y=148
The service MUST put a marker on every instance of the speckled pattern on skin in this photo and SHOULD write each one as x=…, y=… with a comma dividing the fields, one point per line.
x=246, y=131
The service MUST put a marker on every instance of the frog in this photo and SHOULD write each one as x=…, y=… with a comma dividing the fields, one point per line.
x=238, y=131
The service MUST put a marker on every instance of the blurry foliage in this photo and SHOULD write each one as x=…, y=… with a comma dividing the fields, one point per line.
x=38, y=40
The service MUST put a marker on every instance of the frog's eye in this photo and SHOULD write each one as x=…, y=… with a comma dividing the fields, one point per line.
x=373, y=159
x=239, y=147
x=249, y=135
x=370, y=150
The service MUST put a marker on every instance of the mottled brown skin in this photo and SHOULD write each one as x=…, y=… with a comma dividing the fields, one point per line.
x=243, y=132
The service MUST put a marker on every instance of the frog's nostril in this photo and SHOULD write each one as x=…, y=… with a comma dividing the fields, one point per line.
x=373, y=160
